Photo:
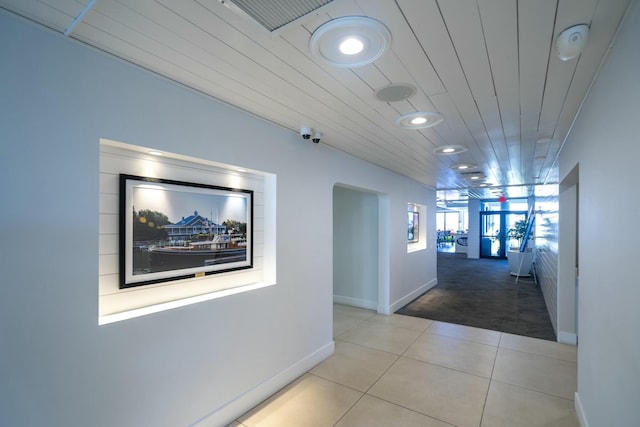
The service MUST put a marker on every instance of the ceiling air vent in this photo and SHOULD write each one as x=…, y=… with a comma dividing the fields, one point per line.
x=274, y=14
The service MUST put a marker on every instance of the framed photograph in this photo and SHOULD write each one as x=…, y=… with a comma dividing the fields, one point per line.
x=413, y=230
x=172, y=230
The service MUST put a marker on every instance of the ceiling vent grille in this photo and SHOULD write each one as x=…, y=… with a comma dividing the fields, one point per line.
x=274, y=14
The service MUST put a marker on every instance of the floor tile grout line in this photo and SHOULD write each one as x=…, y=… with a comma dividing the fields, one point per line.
x=532, y=389
x=539, y=355
x=493, y=368
x=461, y=339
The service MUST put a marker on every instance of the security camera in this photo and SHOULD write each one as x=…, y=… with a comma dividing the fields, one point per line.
x=317, y=136
x=306, y=133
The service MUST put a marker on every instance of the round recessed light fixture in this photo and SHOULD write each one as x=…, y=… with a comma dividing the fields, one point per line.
x=419, y=120
x=464, y=167
x=447, y=150
x=351, y=46
x=395, y=92
x=351, y=41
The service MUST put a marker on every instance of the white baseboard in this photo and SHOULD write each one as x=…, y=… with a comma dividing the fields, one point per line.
x=567, y=338
x=582, y=418
x=355, y=302
x=241, y=404
x=413, y=295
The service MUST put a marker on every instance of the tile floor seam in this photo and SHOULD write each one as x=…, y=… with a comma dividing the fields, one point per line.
x=412, y=410
x=493, y=368
x=462, y=339
x=363, y=346
x=534, y=390
x=448, y=367
x=349, y=409
x=539, y=355
x=334, y=382
x=398, y=356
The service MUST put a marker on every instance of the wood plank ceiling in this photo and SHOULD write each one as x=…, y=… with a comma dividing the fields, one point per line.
x=488, y=66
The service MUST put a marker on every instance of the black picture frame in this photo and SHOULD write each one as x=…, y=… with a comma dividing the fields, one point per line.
x=165, y=235
x=413, y=228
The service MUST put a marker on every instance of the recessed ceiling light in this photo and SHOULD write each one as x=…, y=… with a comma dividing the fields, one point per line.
x=543, y=140
x=395, y=92
x=450, y=149
x=464, y=166
x=155, y=153
x=420, y=120
x=351, y=46
x=351, y=41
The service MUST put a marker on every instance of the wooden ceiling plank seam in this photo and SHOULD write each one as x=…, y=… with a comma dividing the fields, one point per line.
x=406, y=45
x=463, y=24
x=350, y=78
x=468, y=140
x=442, y=55
x=40, y=12
x=606, y=21
x=570, y=12
x=249, y=108
x=535, y=36
x=235, y=96
x=536, y=23
x=147, y=61
x=194, y=66
x=327, y=93
x=500, y=31
x=260, y=76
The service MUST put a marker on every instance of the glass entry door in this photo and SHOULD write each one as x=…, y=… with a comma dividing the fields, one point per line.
x=494, y=232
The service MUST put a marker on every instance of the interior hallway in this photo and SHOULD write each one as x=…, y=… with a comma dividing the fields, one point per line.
x=482, y=293
x=405, y=371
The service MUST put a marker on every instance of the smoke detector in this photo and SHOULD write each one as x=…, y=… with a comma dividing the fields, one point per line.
x=571, y=41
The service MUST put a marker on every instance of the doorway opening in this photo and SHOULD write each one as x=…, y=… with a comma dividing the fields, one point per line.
x=496, y=222
x=360, y=248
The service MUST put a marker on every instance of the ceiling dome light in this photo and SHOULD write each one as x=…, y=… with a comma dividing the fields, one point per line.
x=351, y=46
x=420, y=120
x=351, y=41
x=446, y=150
x=464, y=167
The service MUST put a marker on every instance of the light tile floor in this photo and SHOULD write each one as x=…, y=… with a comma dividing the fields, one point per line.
x=404, y=371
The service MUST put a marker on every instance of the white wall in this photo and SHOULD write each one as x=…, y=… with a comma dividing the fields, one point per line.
x=605, y=142
x=205, y=361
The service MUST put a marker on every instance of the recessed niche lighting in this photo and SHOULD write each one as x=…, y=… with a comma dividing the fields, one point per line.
x=351, y=41
x=419, y=120
x=464, y=166
x=450, y=149
x=155, y=153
